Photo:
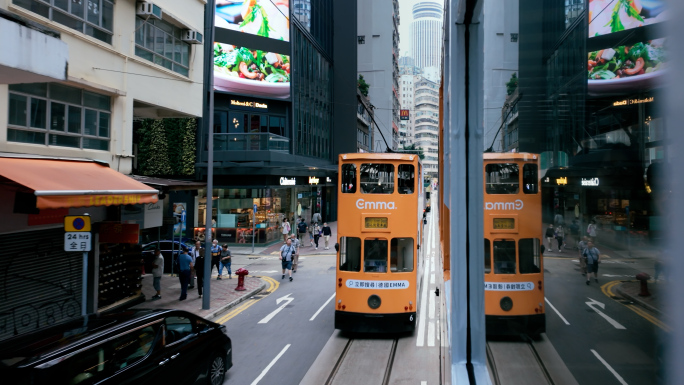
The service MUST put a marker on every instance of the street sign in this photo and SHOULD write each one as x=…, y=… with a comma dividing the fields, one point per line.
x=77, y=223
x=255, y=208
x=77, y=241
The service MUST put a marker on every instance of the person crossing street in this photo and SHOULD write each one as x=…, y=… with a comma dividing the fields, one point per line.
x=295, y=256
x=286, y=252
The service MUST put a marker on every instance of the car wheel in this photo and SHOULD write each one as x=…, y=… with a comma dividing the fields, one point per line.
x=217, y=370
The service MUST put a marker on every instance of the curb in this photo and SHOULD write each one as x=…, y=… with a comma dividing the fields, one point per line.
x=230, y=305
x=635, y=299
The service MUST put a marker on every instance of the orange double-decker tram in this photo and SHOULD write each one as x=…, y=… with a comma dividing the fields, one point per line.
x=380, y=210
x=514, y=267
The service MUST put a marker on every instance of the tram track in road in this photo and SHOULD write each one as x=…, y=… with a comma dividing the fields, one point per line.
x=510, y=362
x=354, y=366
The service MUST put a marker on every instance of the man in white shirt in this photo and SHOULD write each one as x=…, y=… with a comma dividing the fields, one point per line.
x=157, y=272
x=194, y=253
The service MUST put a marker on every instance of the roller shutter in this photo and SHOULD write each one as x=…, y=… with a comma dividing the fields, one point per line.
x=40, y=283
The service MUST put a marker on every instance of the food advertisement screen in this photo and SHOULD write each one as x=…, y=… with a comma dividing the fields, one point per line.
x=251, y=71
x=266, y=18
x=610, y=16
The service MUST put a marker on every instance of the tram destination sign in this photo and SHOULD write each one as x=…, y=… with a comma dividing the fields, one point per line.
x=504, y=223
x=376, y=223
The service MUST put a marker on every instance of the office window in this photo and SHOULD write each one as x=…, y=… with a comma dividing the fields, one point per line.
x=159, y=42
x=92, y=17
x=58, y=115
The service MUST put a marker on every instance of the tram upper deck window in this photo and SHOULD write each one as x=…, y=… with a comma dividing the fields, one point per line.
x=350, y=254
x=502, y=178
x=529, y=250
x=530, y=179
x=375, y=255
x=349, y=178
x=406, y=179
x=401, y=254
x=377, y=178
x=504, y=257
x=487, y=256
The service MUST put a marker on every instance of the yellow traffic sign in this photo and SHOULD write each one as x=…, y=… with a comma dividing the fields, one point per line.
x=74, y=223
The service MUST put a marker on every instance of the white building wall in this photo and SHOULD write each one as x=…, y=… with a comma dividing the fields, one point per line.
x=426, y=33
x=115, y=70
x=426, y=122
x=500, y=62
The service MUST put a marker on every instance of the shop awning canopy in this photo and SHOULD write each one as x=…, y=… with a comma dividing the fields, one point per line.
x=59, y=183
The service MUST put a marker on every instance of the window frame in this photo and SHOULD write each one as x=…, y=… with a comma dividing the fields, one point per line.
x=386, y=188
x=376, y=265
x=497, y=263
x=394, y=243
x=343, y=260
x=345, y=181
x=499, y=188
x=178, y=60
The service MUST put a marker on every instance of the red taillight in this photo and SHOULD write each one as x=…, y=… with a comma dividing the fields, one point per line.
x=344, y=307
x=405, y=308
x=536, y=310
x=539, y=285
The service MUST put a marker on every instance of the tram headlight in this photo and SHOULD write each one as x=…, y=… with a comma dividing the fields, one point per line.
x=506, y=303
x=374, y=301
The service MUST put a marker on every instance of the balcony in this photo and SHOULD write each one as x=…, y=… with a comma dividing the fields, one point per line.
x=251, y=142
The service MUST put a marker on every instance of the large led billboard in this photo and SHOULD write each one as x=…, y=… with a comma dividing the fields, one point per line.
x=610, y=16
x=251, y=48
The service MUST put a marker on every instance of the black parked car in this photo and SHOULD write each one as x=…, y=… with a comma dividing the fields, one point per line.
x=136, y=347
x=168, y=248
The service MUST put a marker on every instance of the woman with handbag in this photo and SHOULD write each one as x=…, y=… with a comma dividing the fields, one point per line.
x=316, y=233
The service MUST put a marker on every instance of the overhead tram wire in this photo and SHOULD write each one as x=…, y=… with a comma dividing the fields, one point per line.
x=491, y=147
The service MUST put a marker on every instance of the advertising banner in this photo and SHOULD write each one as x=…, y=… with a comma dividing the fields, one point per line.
x=610, y=16
x=404, y=114
x=251, y=71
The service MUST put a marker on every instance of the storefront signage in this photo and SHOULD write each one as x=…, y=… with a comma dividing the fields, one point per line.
x=111, y=232
x=248, y=104
x=287, y=181
x=328, y=180
x=562, y=181
x=627, y=102
x=590, y=182
x=403, y=114
x=153, y=215
x=313, y=180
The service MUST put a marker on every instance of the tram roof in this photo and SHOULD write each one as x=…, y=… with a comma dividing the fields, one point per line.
x=377, y=156
x=524, y=156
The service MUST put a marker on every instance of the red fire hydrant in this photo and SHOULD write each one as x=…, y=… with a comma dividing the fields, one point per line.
x=241, y=278
x=643, y=277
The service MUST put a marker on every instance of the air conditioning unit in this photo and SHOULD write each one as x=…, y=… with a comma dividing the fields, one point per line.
x=148, y=9
x=191, y=36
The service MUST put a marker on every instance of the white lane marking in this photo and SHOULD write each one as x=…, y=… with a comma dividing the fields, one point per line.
x=431, y=333
x=321, y=308
x=432, y=305
x=287, y=299
x=263, y=373
x=619, y=378
x=613, y=322
x=432, y=279
x=420, y=340
x=557, y=312
x=423, y=383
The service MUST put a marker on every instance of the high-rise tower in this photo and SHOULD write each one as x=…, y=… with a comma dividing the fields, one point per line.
x=426, y=33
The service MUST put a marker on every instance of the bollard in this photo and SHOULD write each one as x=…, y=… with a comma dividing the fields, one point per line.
x=241, y=273
x=643, y=278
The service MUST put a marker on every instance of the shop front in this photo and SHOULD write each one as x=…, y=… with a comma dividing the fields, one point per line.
x=242, y=214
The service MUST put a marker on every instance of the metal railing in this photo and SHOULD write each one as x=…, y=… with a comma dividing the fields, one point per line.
x=251, y=142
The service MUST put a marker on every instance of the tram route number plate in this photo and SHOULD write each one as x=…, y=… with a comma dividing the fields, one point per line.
x=504, y=223
x=376, y=223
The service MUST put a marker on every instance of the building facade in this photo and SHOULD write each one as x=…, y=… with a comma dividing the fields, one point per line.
x=378, y=62
x=364, y=121
x=426, y=123
x=67, y=143
x=276, y=143
x=426, y=34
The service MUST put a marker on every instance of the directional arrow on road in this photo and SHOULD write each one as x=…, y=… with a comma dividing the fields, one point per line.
x=287, y=299
x=613, y=322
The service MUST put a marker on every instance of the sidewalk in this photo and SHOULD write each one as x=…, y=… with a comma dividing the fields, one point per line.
x=223, y=294
x=306, y=248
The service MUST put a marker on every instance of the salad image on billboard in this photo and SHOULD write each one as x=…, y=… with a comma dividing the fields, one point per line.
x=610, y=16
x=267, y=18
x=626, y=67
x=240, y=69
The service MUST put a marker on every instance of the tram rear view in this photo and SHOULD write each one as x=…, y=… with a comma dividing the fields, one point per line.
x=379, y=227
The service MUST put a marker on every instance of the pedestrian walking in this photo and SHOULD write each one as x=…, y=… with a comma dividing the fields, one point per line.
x=285, y=229
x=301, y=229
x=593, y=256
x=157, y=271
x=286, y=258
x=215, y=257
x=582, y=245
x=591, y=229
x=226, y=261
x=560, y=234
x=326, y=234
x=558, y=220
x=198, y=267
x=316, y=234
x=310, y=229
x=295, y=256
x=316, y=218
x=185, y=264
x=197, y=250
x=574, y=231
x=550, y=234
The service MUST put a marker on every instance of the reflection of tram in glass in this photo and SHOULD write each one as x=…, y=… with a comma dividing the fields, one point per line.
x=514, y=269
x=379, y=228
